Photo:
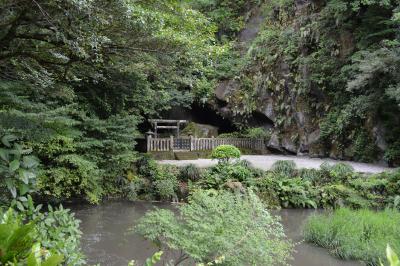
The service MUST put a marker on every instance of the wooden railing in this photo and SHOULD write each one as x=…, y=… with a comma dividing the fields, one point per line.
x=199, y=144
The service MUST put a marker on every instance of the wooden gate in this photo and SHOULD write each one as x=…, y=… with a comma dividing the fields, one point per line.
x=181, y=144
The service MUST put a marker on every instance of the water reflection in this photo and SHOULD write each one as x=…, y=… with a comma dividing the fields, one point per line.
x=106, y=239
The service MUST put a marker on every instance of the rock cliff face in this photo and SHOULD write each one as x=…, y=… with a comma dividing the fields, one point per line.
x=297, y=137
x=275, y=102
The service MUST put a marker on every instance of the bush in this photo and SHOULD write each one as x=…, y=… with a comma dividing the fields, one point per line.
x=312, y=175
x=392, y=154
x=136, y=187
x=340, y=195
x=189, y=172
x=359, y=235
x=166, y=182
x=217, y=176
x=73, y=177
x=257, y=133
x=252, y=133
x=338, y=172
x=18, y=169
x=288, y=192
x=285, y=168
x=220, y=224
x=146, y=166
x=224, y=153
x=58, y=230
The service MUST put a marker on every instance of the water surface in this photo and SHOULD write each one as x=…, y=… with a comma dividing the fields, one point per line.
x=106, y=239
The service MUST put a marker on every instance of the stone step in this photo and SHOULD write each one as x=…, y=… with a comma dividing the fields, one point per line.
x=186, y=155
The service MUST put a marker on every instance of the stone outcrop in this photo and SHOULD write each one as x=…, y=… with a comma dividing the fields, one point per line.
x=295, y=126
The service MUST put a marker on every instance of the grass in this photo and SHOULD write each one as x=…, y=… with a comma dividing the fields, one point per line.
x=356, y=234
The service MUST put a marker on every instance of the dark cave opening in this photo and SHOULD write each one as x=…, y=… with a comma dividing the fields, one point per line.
x=259, y=119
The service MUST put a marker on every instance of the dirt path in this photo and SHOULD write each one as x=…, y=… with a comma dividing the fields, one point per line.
x=265, y=162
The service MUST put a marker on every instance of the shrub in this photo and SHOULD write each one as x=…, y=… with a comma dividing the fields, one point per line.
x=146, y=166
x=224, y=153
x=355, y=234
x=252, y=133
x=58, y=230
x=393, y=177
x=339, y=195
x=189, y=172
x=18, y=169
x=136, y=187
x=166, y=182
x=216, y=176
x=338, y=171
x=74, y=176
x=373, y=184
x=312, y=175
x=230, y=135
x=290, y=192
x=257, y=133
x=392, y=154
x=285, y=168
x=220, y=224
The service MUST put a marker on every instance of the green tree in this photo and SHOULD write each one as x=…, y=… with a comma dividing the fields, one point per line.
x=221, y=224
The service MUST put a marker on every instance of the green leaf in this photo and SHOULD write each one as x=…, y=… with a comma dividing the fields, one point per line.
x=30, y=161
x=392, y=257
x=7, y=139
x=4, y=155
x=31, y=261
x=23, y=189
x=14, y=165
x=34, y=256
x=154, y=259
x=20, y=206
x=13, y=191
x=26, y=175
x=22, y=199
x=53, y=260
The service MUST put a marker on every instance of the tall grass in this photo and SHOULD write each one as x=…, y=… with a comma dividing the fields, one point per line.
x=356, y=234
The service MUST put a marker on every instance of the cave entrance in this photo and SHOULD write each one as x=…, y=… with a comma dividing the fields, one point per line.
x=200, y=114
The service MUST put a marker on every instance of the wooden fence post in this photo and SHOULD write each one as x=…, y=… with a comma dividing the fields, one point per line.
x=191, y=143
x=148, y=142
x=171, y=143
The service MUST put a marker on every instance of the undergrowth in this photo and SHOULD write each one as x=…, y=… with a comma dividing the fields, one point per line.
x=356, y=234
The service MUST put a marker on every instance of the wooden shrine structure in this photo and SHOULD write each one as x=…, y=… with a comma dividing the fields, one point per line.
x=192, y=143
x=166, y=124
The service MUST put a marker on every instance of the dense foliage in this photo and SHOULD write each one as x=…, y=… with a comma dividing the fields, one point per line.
x=284, y=185
x=77, y=77
x=221, y=224
x=360, y=235
x=29, y=234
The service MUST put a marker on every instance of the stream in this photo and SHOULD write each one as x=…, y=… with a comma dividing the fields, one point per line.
x=106, y=239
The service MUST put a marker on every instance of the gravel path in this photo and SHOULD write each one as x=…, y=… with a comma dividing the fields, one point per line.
x=265, y=162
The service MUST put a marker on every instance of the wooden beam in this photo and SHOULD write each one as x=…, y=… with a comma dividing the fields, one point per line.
x=167, y=121
x=164, y=127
